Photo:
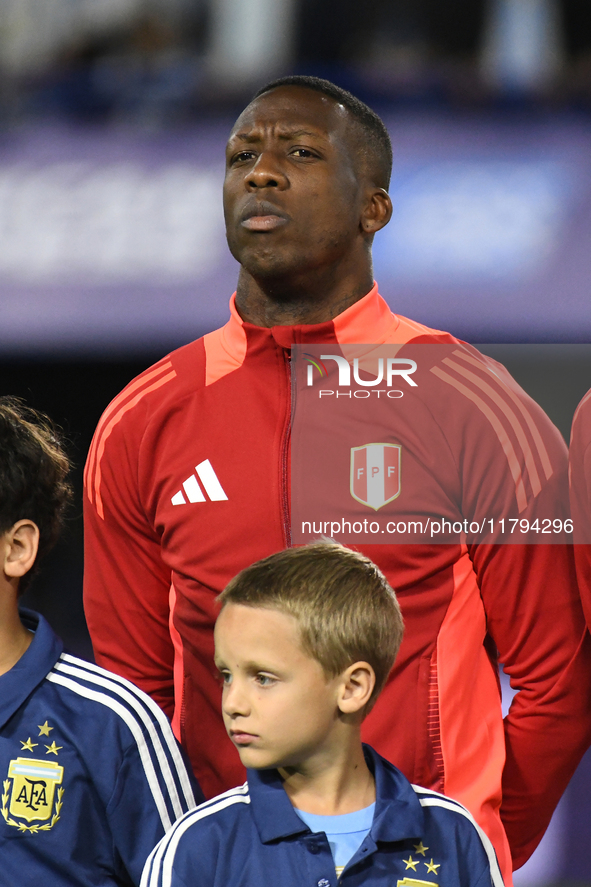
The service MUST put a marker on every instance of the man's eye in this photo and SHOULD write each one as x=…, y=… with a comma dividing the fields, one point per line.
x=225, y=677
x=302, y=152
x=242, y=157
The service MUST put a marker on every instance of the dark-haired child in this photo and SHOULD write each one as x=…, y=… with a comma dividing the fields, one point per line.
x=90, y=772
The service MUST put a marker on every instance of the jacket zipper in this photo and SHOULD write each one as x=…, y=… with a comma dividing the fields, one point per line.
x=284, y=459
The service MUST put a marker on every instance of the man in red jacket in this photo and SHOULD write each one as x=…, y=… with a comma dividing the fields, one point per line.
x=187, y=482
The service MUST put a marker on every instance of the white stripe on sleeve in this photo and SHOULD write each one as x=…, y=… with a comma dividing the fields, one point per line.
x=161, y=860
x=136, y=730
x=450, y=804
x=157, y=714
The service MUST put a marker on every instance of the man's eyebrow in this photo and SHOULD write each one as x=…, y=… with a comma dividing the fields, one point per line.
x=250, y=137
x=294, y=133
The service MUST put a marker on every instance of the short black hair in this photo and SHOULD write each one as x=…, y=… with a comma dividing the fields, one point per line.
x=377, y=147
x=34, y=472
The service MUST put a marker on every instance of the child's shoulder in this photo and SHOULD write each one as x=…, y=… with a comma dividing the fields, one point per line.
x=445, y=809
x=215, y=814
x=455, y=841
x=84, y=701
x=119, y=736
x=200, y=834
x=91, y=689
x=449, y=822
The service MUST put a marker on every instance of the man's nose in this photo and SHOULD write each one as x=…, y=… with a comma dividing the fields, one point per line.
x=266, y=173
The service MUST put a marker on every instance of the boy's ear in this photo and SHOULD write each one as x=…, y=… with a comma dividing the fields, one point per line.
x=19, y=548
x=356, y=687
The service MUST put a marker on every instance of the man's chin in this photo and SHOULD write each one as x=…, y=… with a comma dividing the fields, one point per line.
x=268, y=261
x=265, y=267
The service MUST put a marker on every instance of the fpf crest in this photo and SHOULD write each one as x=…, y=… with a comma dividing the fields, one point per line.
x=32, y=793
x=375, y=474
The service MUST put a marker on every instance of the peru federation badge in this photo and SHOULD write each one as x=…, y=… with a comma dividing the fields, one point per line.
x=375, y=474
x=32, y=794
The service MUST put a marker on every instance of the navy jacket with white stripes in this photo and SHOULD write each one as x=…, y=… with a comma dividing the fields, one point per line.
x=252, y=837
x=91, y=774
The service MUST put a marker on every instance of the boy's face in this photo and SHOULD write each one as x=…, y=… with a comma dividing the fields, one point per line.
x=279, y=708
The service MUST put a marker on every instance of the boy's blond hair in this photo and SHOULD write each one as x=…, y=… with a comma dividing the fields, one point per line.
x=345, y=608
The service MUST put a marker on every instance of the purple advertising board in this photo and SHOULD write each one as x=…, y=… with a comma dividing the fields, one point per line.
x=113, y=240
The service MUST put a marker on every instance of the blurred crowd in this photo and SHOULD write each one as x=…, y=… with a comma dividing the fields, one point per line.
x=156, y=62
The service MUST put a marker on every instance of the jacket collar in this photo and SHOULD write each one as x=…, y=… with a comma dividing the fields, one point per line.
x=368, y=320
x=398, y=815
x=32, y=668
x=271, y=809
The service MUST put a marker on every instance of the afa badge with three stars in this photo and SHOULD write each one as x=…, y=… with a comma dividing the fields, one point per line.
x=414, y=882
x=32, y=794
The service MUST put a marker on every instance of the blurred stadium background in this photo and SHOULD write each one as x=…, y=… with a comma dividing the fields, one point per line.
x=113, y=119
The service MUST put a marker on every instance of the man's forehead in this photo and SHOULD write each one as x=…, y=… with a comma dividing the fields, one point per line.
x=293, y=108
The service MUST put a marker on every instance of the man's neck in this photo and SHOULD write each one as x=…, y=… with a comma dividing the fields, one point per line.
x=341, y=783
x=280, y=302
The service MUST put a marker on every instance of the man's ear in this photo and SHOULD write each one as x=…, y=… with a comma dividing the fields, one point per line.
x=19, y=548
x=377, y=211
x=356, y=687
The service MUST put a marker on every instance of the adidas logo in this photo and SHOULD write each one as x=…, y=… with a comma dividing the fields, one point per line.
x=193, y=491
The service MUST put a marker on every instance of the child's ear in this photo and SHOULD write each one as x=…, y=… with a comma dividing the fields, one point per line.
x=356, y=687
x=19, y=548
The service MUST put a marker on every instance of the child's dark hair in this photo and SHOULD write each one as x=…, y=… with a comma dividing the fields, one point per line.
x=33, y=473
x=345, y=608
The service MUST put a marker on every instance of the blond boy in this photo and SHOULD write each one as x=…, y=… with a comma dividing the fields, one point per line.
x=304, y=643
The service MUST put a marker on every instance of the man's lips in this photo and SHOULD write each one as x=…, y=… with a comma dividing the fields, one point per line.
x=263, y=216
x=263, y=223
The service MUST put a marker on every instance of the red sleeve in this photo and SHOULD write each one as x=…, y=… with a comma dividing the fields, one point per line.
x=535, y=619
x=580, y=498
x=126, y=583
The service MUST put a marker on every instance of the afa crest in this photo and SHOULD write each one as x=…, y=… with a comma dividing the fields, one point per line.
x=32, y=794
x=413, y=882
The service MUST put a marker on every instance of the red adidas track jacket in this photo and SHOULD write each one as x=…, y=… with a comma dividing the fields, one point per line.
x=187, y=482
